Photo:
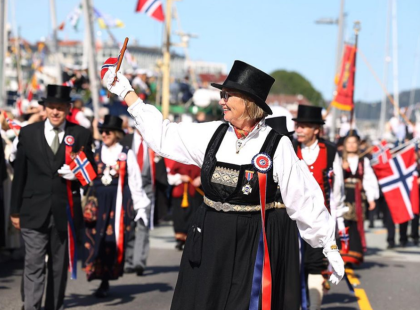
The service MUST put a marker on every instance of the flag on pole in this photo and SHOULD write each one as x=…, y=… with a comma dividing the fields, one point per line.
x=381, y=153
x=82, y=169
x=74, y=16
x=110, y=62
x=398, y=180
x=107, y=21
x=153, y=8
x=343, y=98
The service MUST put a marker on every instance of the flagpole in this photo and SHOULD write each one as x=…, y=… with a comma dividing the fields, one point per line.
x=356, y=28
x=337, y=65
x=3, y=48
x=386, y=68
x=166, y=60
x=395, y=57
x=93, y=77
x=55, y=42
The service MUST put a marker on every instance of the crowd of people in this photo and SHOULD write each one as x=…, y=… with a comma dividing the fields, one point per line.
x=266, y=217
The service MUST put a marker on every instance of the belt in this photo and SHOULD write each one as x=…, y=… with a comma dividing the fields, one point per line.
x=228, y=207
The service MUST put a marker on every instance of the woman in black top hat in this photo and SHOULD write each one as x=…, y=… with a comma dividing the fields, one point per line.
x=120, y=199
x=226, y=262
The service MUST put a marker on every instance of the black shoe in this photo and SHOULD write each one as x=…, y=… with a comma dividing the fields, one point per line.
x=371, y=226
x=403, y=244
x=129, y=270
x=390, y=246
x=139, y=271
x=416, y=242
x=103, y=290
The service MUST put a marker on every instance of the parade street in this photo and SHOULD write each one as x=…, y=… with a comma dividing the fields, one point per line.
x=386, y=280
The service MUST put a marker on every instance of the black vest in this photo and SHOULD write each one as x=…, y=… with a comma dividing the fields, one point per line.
x=228, y=188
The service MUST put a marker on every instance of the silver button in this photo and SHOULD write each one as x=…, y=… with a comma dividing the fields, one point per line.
x=312, y=167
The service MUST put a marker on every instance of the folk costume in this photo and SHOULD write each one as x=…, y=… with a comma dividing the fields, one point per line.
x=120, y=200
x=324, y=165
x=360, y=185
x=220, y=268
x=230, y=244
x=185, y=199
x=49, y=206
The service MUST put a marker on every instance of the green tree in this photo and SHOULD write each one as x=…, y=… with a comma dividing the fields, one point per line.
x=292, y=83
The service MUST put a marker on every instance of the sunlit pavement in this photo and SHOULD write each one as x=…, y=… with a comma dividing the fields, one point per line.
x=388, y=280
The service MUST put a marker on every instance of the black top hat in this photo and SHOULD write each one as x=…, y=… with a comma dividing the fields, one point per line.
x=57, y=94
x=111, y=122
x=279, y=125
x=309, y=114
x=250, y=81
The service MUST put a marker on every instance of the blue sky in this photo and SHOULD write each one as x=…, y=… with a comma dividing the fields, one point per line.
x=269, y=34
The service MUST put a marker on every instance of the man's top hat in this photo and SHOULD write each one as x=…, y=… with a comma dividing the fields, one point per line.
x=250, y=81
x=279, y=124
x=57, y=94
x=309, y=114
x=111, y=122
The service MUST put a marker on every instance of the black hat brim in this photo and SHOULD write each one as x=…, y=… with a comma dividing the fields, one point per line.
x=111, y=128
x=232, y=85
x=43, y=101
x=309, y=121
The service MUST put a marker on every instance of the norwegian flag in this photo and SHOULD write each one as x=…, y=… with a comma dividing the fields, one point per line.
x=15, y=126
x=69, y=83
x=153, y=8
x=345, y=239
x=381, y=152
x=82, y=169
x=398, y=180
x=110, y=62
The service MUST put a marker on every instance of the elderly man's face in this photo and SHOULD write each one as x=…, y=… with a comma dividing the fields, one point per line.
x=306, y=133
x=57, y=112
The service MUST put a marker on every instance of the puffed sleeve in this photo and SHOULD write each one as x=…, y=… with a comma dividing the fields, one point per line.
x=183, y=142
x=141, y=203
x=370, y=183
x=303, y=197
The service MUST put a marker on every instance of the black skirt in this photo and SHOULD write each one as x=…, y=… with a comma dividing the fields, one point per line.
x=223, y=279
x=182, y=216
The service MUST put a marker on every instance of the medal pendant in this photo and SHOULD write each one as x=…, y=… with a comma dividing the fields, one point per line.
x=106, y=179
x=247, y=189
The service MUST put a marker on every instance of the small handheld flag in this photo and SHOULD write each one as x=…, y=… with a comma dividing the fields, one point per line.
x=82, y=169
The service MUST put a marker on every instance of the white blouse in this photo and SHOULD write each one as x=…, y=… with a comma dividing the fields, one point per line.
x=370, y=183
x=187, y=143
x=141, y=203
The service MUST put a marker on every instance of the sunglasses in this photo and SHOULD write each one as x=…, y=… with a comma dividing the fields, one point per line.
x=225, y=95
x=107, y=132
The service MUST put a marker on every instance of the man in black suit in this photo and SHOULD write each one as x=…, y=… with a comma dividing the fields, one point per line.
x=40, y=197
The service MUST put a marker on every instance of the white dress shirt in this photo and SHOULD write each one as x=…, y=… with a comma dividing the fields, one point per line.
x=50, y=134
x=187, y=143
x=141, y=203
x=370, y=183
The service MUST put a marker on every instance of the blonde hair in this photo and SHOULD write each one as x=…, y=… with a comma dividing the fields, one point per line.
x=252, y=110
x=119, y=135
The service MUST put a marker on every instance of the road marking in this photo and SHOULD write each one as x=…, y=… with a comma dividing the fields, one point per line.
x=352, y=278
x=362, y=299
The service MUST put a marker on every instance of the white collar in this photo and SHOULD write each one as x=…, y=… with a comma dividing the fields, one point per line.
x=49, y=126
x=312, y=147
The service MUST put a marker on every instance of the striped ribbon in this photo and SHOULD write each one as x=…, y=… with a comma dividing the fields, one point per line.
x=71, y=231
x=119, y=213
x=304, y=300
x=262, y=260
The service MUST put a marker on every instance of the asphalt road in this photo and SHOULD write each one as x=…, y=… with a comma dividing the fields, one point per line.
x=389, y=280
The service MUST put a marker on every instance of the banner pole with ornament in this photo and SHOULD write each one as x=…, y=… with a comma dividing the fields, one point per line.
x=356, y=28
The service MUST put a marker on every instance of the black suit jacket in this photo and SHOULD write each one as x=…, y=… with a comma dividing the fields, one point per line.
x=37, y=189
